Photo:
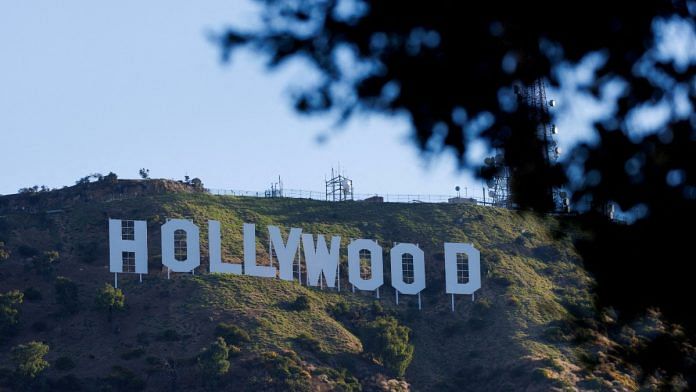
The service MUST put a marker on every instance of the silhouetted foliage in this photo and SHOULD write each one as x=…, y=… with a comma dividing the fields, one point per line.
x=452, y=67
x=88, y=178
x=111, y=178
x=28, y=359
x=34, y=189
x=144, y=173
x=9, y=313
x=67, y=294
x=197, y=184
x=44, y=263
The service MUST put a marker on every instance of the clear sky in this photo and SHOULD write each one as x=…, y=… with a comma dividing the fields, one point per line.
x=89, y=86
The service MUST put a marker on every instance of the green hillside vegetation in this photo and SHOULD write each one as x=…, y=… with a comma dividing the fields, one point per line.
x=530, y=327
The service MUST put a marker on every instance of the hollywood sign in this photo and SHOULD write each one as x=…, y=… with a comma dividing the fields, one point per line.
x=181, y=253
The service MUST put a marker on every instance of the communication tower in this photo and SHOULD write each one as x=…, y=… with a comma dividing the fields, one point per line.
x=533, y=98
x=338, y=187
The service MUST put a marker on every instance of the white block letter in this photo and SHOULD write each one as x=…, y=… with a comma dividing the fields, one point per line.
x=397, y=268
x=321, y=260
x=376, y=266
x=285, y=253
x=250, y=266
x=193, y=248
x=215, y=252
x=452, y=285
x=131, y=240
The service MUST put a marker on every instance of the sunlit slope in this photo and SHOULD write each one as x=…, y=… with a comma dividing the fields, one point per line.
x=516, y=334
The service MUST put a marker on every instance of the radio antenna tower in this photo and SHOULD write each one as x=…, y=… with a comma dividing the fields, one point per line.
x=338, y=187
x=533, y=98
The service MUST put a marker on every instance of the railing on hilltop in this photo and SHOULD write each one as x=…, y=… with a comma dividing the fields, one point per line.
x=319, y=195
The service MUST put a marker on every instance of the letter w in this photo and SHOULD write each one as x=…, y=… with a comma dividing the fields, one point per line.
x=321, y=260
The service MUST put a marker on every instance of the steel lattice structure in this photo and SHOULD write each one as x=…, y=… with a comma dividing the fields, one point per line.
x=533, y=98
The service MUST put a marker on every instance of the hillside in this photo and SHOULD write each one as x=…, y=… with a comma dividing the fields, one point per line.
x=526, y=329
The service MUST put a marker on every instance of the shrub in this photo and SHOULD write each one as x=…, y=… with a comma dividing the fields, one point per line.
x=32, y=294
x=343, y=380
x=214, y=362
x=111, y=178
x=232, y=333
x=29, y=359
x=389, y=343
x=43, y=264
x=9, y=312
x=64, y=364
x=122, y=379
x=110, y=299
x=340, y=309
x=482, y=307
x=301, y=303
x=377, y=309
x=197, y=184
x=88, y=252
x=308, y=342
x=67, y=294
x=4, y=252
x=285, y=373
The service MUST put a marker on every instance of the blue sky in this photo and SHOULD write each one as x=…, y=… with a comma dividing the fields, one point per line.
x=91, y=86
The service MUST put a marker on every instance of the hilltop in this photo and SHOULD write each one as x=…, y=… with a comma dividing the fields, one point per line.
x=530, y=326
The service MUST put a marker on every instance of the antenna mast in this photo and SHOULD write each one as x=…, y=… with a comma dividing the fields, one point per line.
x=533, y=98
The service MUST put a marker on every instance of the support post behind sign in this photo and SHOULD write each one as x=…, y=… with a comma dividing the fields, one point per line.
x=338, y=275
